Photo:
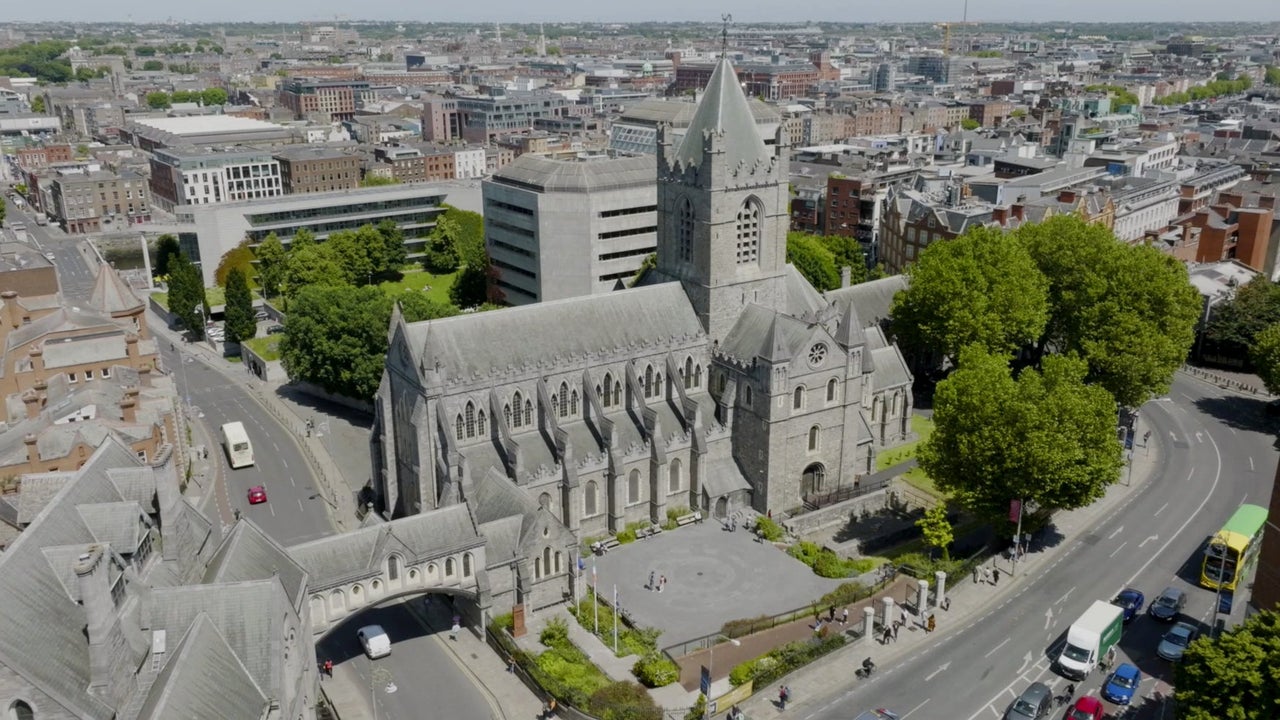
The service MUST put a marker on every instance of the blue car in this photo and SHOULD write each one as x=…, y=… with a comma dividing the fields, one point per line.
x=1132, y=601
x=1122, y=685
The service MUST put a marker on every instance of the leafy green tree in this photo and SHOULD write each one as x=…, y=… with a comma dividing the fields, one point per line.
x=970, y=124
x=302, y=238
x=239, y=258
x=1129, y=311
x=213, y=96
x=474, y=284
x=337, y=335
x=1236, y=676
x=313, y=265
x=814, y=261
x=187, y=297
x=847, y=252
x=37, y=104
x=394, y=253
x=1045, y=436
x=1273, y=75
x=1265, y=356
x=351, y=252
x=271, y=259
x=239, y=309
x=158, y=100
x=144, y=51
x=166, y=250
x=377, y=181
x=43, y=59
x=981, y=287
x=439, y=255
x=153, y=66
x=1233, y=325
x=937, y=530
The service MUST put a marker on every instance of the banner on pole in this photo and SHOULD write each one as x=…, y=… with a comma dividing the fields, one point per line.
x=1015, y=510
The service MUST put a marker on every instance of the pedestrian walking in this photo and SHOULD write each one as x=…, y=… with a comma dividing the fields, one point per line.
x=651, y=585
x=844, y=617
x=817, y=617
x=975, y=574
x=328, y=668
x=887, y=635
x=831, y=614
x=932, y=624
x=549, y=710
x=733, y=524
x=895, y=631
x=662, y=583
x=457, y=625
x=995, y=576
x=784, y=694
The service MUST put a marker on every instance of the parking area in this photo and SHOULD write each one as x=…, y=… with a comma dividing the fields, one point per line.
x=713, y=575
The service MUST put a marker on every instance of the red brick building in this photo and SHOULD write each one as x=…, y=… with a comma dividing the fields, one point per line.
x=766, y=81
x=42, y=156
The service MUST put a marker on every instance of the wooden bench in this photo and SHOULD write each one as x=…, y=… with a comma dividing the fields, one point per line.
x=600, y=547
x=694, y=517
x=648, y=532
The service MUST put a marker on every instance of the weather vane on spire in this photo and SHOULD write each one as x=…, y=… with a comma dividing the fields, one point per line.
x=724, y=35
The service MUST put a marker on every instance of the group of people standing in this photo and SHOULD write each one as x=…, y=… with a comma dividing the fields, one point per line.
x=656, y=582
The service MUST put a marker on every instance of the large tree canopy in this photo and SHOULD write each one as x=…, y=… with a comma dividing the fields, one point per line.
x=981, y=287
x=239, y=308
x=186, y=296
x=336, y=336
x=1044, y=436
x=1236, y=676
x=1234, y=324
x=814, y=261
x=1265, y=356
x=1129, y=311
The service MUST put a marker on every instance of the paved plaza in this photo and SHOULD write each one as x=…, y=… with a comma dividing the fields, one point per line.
x=713, y=575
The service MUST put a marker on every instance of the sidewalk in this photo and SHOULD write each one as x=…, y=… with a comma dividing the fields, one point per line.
x=968, y=600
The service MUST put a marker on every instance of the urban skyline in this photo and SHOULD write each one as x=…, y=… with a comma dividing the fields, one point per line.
x=755, y=11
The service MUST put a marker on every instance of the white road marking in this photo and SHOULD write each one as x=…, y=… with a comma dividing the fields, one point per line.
x=1065, y=595
x=1217, y=475
x=1118, y=547
x=913, y=710
x=941, y=668
x=1149, y=539
x=993, y=650
x=1162, y=507
x=1116, y=532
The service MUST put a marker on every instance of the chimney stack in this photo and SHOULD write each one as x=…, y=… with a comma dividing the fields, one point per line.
x=109, y=655
x=1000, y=215
x=31, y=399
x=1067, y=196
x=1017, y=210
x=12, y=316
x=128, y=405
x=1267, y=202
x=33, y=453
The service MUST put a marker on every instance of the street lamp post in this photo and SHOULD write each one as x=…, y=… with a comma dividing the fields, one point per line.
x=711, y=659
x=1222, y=570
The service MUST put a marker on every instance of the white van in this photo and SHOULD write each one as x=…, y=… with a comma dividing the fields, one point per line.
x=375, y=641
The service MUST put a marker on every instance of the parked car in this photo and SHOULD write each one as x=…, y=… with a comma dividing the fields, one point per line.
x=375, y=641
x=275, y=329
x=1168, y=604
x=1032, y=704
x=1131, y=600
x=1086, y=708
x=1123, y=684
x=257, y=495
x=1175, y=642
x=261, y=315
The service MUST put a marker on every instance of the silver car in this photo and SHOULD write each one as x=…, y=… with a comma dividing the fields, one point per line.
x=1175, y=642
x=1034, y=703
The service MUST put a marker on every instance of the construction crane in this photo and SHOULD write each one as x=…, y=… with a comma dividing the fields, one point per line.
x=946, y=29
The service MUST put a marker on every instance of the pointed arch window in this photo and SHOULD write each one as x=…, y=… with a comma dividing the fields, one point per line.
x=697, y=376
x=573, y=404
x=528, y=413
x=515, y=402
x=563, y=410
x=658, y=389
x=797, y=400
x=684, y=232
x=688, y=373
x=617, y=391
x=648, y=381
x=607, y=399
x=633, y=487
x=506, y=414
x=481, y=429
x=589, y=499
x=831, y=390
x=555, y=404
x=749, y=221
x=746, y=396
x=814, y=432
x=458, y=427
x=471, y=419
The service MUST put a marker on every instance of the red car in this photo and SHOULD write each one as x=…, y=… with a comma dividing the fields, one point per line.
x=1086, y=708
x=257, y=494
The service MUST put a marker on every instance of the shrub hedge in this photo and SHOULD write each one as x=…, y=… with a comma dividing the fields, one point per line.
x=769, y=530
x=826, y=563
x=782, y=660
x=631, y=640
x=654, y=669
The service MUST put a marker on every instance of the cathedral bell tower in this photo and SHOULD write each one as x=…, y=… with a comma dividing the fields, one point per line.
x=723, y=208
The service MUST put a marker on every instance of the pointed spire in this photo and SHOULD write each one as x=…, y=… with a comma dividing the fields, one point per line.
x=849, y=332
x=775, y=345
x=724, y=111
x=112, y=296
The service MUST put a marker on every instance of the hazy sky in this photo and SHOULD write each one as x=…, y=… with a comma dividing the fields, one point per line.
x=613, y=10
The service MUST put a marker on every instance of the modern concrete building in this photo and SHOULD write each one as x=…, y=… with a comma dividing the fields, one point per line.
x=329, y=100
x=482, y=117
x=207, y=232
x=206, y=176
x=564, y=228
x=306, y=169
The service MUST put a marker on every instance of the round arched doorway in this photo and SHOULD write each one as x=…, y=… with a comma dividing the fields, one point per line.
x=812, y=479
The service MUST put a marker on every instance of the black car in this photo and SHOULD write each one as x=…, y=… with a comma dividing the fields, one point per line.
x=1168, y=604
x=1131, y=600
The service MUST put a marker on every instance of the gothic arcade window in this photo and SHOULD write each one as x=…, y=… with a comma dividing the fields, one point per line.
x=471, y=419
x=458, y=427
x=797, y=400
x=607, y=398
x=528, y=413
x=515, y=402
x=633, y=487
x=749, y=219
x=813, y=437
x=573, y=404
x=563, y=410
x=506, y=413
x=481, y=429
x=831, y=390
x=685, y=232
x=648, y=381
x=688, y=373
x=697, y=377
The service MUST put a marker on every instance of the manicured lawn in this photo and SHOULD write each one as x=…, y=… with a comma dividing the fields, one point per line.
x=215, y=295
x=922, y=427
x=420, y=280
x=268, y=348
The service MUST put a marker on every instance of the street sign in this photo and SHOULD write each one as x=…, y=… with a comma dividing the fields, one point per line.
x=705, y=682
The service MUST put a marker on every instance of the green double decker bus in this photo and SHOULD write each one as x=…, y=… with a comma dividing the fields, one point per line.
x=1233, y=550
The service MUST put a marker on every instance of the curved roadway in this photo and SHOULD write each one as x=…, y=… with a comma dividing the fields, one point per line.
x=1217, y=451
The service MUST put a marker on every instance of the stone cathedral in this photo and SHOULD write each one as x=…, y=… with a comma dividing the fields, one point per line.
x=724, y=381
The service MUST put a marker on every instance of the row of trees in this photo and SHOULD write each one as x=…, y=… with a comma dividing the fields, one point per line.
x=1121, y=94
x=160, y=100
x=1049, y=328
x=41, y=60
x=1248, y=326
x=1208, y=91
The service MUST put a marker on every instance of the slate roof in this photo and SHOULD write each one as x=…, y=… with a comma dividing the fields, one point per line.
x=550, y=332
x=802, y=299
x=60, y=320
x=764, y=333
x=541, y=173
x=248, y=553
x=116, y=523
x=724, y=109
x=110, y=295
x=39, y=613
x=204, y=680
x=873, y=299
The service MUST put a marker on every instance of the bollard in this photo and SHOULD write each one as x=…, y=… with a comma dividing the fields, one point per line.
x=940, y=589
x=869, y=622
x=922, y=598
x=887, y=618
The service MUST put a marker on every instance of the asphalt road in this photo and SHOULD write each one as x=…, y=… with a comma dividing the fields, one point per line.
x=1219, y=452
x=74, y=274
x=424, y=681
x=295, y=510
